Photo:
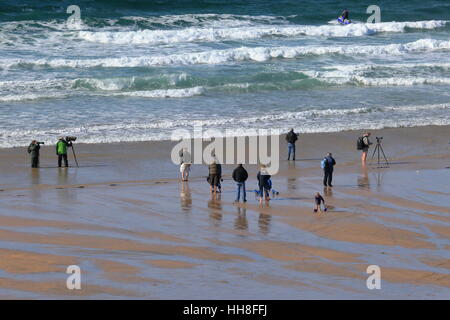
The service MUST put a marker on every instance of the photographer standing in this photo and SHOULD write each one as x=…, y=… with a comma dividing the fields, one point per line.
x=61, y=151
x=33, y=150
x=365, y=147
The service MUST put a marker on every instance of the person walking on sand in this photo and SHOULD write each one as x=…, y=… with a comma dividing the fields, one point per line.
x=319, y=200
x=185, y=164
x=328, y=164
x=213, y=177
x=240, y=175
x=291, y=138
x=365, y=143
x=263, y=183
x=61, y=151
x=33, y=150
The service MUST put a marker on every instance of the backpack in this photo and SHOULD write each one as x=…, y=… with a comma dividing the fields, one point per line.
x=324, y=163
x=360, y=143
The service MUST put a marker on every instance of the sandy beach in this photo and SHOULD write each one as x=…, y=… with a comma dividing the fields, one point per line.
x=137, y=232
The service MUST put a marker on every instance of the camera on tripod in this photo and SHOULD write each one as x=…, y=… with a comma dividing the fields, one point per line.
x=377, y=150
x=39, y=143
x=71, y=139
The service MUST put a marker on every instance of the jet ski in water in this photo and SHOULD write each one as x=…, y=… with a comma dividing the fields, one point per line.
x=341, y=20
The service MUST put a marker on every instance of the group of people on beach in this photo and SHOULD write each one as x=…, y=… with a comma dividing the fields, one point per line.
x=240, y=174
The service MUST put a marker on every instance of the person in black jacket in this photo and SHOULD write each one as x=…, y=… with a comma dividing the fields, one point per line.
x=328, y=169
x=240, y=175
x=291, y=138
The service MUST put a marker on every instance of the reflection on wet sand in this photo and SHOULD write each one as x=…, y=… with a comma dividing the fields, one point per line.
x=241, y=222
x=328, y=192
x=264, y=219
x=379, y=175
x=215, y=208
x=363, y=179
x=35, y=177
x=264, y=223
x=62, y=176
x=64, y=193
x=291, y=180
x=185, y=197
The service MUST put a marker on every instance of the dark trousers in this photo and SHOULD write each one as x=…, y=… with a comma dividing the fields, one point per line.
x=60, y=157
x=327, y=177
x=35, y=162
x=263, y=191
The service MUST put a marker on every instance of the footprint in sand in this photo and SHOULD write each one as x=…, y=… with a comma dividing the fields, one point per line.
x=81, y=187
x=113, y=185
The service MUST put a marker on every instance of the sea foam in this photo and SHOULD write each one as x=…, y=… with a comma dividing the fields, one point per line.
x=195, y=34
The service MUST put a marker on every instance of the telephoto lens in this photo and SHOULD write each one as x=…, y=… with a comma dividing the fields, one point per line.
x=71, y=138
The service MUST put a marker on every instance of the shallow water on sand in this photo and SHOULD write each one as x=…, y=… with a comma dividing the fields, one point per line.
x=163, y=239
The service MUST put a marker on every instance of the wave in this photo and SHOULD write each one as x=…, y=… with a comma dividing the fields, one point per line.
x=31, y=96
x=340, y=69
x=401, y=74
x=204, y=20
x=396, y=81
x=168, y=93
x=313, y=120
x=194, y=28
x=257, y=54
x=132, y=22
x=155, y=37
x=183, y=85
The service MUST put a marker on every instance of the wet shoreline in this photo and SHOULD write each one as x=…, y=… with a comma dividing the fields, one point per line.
x=137, y=232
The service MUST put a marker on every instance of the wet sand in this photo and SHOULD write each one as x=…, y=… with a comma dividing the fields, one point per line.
x=137, y=232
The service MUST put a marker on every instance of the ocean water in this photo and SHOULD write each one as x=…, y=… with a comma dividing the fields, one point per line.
x=137, y=70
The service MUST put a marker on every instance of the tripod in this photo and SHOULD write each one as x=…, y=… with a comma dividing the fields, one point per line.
x=74, y=155
x=379, y=148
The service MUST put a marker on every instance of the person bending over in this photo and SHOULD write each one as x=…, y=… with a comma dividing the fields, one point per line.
x=319, y=200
